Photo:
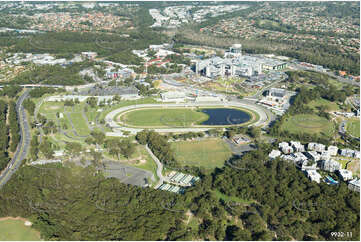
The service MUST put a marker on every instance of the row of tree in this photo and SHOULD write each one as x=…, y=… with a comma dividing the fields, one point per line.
x=14, y=128
x=4, y=137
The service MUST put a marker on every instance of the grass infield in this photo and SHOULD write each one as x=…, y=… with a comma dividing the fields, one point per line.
x=210, y=153
x=173, y=117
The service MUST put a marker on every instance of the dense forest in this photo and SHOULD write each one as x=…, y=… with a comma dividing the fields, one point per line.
x=278, y=203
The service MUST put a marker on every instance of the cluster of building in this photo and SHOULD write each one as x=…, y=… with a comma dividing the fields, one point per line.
x=348, y=114
x=236, y=64
x=179, y=181
x=313, y=156
x=66, y=21
x=175, y=16
x=41, y=59
x=182, y=179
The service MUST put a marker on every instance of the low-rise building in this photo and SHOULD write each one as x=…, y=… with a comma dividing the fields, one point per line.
x=330, y=165
x=316, y=147
x=313, y=155
x=313, y=175
x=306, y=165
x=332, y=150
x=347, y=152
x=283, y=144
x=325, y=155
x=354, y=185
x=274, y=154
x=298, y=146
x=89, y=54
x=299, y=156
x=345, y=174
x=287, y=149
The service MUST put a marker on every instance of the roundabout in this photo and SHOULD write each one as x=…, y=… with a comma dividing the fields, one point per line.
x=186, y=117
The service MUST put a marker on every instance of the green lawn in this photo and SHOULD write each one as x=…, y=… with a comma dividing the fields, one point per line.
x=332, y=106
x=164, y=117
x=51, y=107
x=353, y=127
x=208, y=153
x=15, y=230
x=309, y=123
x=226, y=198
x=79, y=123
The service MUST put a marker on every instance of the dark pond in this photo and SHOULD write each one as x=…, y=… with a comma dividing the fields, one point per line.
x=225, y=116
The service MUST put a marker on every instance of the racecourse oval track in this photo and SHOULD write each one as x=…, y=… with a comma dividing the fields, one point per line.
x=109, y=118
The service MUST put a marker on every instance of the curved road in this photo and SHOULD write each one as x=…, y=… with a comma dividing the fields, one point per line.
x=23, y=146
x=109, y=118
x=159, y=168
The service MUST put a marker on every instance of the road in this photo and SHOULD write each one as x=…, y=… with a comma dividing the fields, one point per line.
x=159, y=167
x=264, y=116
x=23, y=147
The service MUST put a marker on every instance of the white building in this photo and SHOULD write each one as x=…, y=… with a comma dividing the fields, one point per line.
x=325, y=155
x=354, y=185
x=332, y=150
x=347, y=152
x=330, y=165
x=313, y=175
x=307, y=165
x=313, y=155
x=274, y=154
x=345, y=174
x=298, y=146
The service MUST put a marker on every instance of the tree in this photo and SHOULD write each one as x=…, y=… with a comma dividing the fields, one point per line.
x=127, y=148
x=142, y=137
x=98, y=136
x=92, y=101
x=73, y=148
x=46, y=148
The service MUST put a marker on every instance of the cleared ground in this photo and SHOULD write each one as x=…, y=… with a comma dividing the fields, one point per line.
x=15, y=230
x=309, y=123
x=353, y=127
x=164, y=117
x=208, y=153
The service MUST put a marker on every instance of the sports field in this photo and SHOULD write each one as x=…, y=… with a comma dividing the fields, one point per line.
x=178, y=117
x=208, y=153
x=309, y=123
x=353, y=127
x=15, y=230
